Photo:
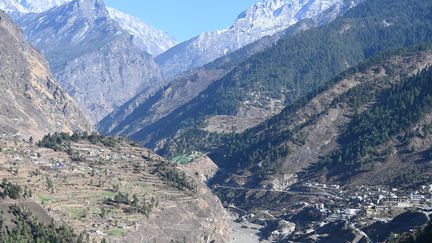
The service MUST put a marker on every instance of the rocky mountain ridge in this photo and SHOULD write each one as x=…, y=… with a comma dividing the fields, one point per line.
x=94, y=59
x=152, y=40
x=81, y=40
x=262, y=19
x=38, y=6
x=33, y=103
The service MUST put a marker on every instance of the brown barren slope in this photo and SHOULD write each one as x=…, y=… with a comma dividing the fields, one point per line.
x=32, y=103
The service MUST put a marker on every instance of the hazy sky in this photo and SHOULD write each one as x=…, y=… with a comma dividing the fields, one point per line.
x=184, y=19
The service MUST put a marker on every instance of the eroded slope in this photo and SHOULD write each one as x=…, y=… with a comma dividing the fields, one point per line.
x=32, y=102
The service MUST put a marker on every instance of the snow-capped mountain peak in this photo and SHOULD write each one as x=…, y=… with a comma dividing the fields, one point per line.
x=30, y=6
x=88, y=9
x=151, y=39
x=12, y=6
x=264, y=18
x=38, y=6
x=270, y=16
x=146, y=37
x=272, y=4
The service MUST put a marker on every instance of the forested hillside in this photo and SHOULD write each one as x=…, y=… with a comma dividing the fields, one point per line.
x=398, y=109
x=319, y=55
x=401, y=110
x=369, y=125
x=287, y=134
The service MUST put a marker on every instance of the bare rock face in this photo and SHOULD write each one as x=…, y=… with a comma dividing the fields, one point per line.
x=92, y=56
x=202, y=167
x=32, y=103
x=104, y=79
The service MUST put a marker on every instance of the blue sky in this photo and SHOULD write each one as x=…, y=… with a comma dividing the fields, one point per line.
x=184, y=19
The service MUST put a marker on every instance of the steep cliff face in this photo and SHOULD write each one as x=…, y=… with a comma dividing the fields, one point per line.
x=94, y=59
x=104, y=79
x=32, y=102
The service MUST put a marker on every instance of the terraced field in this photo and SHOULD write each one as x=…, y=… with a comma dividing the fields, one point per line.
x=78, y=187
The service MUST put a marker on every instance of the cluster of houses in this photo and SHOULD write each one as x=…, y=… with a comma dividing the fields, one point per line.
x=366, y=203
